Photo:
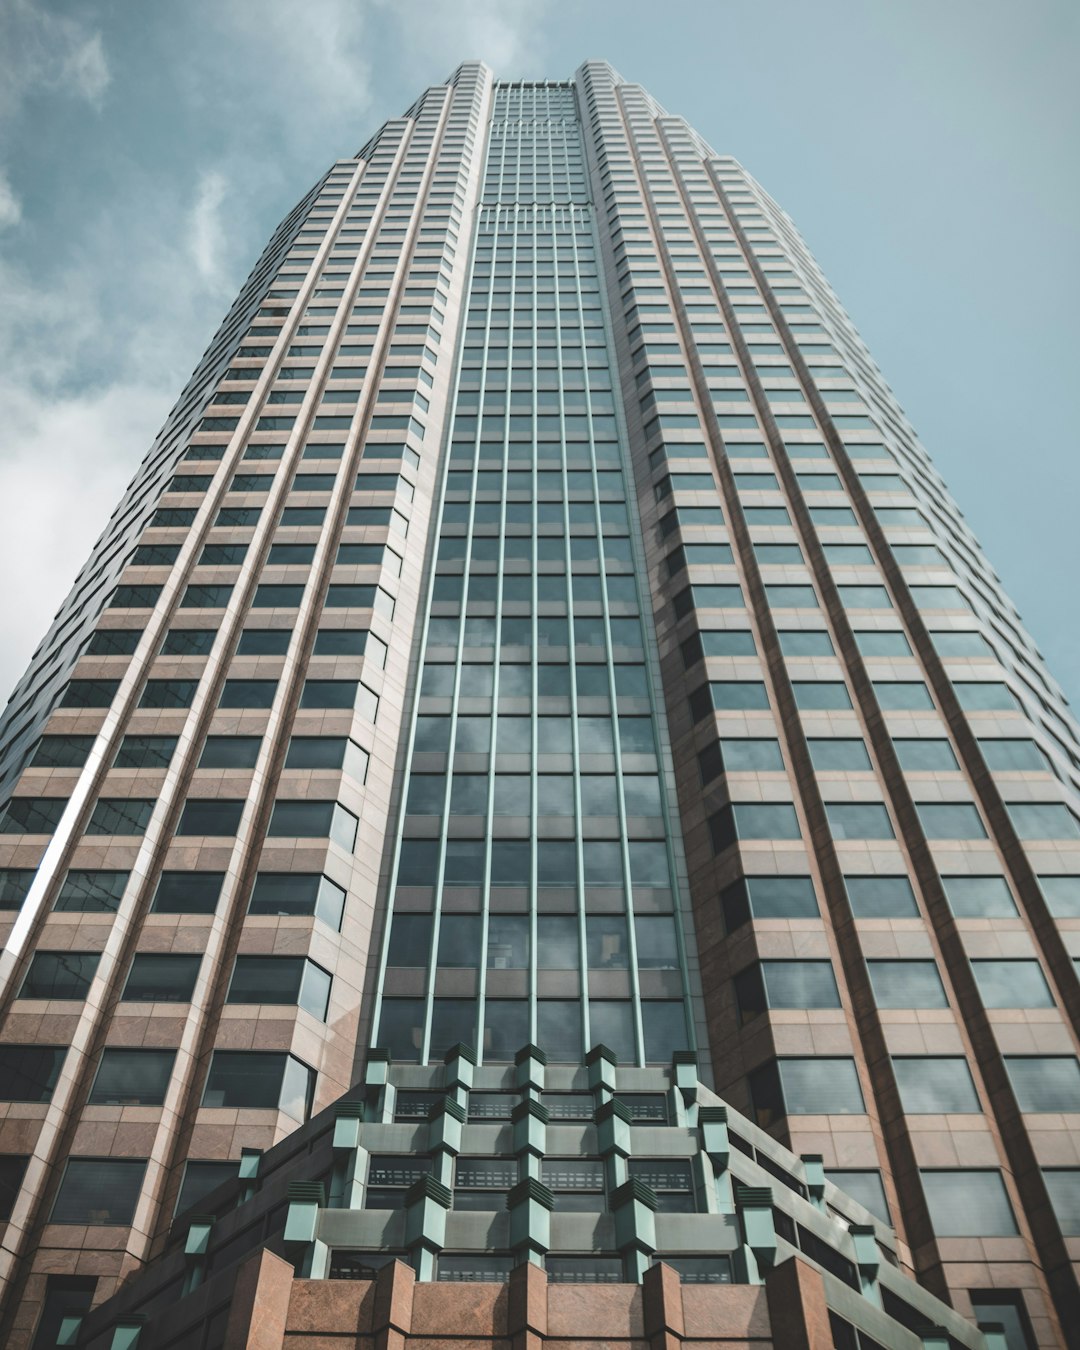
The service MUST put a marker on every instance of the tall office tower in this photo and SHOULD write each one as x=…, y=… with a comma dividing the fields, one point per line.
x=537, y=783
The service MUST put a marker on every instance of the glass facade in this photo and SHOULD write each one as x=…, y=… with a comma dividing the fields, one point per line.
x=537, y=629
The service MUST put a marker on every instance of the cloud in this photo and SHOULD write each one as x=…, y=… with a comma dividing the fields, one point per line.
x=10, y=206
x=208, y=228
x=48, y=53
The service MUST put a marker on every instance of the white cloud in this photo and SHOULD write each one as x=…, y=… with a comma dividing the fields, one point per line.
x=48, y=52
x=10, y=206
x=437, y=35
x=86, y=69
x=207, y=239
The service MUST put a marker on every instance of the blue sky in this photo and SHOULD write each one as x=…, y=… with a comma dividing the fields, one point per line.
x=927, y=152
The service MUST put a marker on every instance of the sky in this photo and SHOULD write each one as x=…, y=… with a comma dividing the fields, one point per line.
x=926, y=150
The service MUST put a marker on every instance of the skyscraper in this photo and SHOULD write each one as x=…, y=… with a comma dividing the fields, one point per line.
x=537, y=781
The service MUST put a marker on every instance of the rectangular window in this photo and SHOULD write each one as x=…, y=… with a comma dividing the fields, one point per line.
x=298, y=893
x=281, y=979
x=61, y=752
x=817, y=1085
x=1012, y=984
x=389, y=1177
x=211, y=817
x=968, y=1203
x=858, y=820
x=881, y=897
x=1045, y=1082
x=931, y=1085
x=753, y=820
x=65, y=975
x=950, y=820
x=188, y=892
x=202, y=1179
x=251, y=1079
x=671, y=1180
x=833, y=754
x=145, y=752
x=162, y=977
x=979, y=897
x=577, y=1184
x=907, y=984
x=92, y=892
x=483, y=1183
x=97, y=1191
x=768, y=898
x=923, y=755
x=314, y=820
x=230, y=752
x=28, y=1073
x=132, y=1077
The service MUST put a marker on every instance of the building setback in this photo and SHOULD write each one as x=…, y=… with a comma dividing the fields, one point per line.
x=537, y=785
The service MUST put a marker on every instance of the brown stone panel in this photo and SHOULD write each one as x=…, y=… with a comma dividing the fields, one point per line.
x=797, y=1309
x=260, y=1304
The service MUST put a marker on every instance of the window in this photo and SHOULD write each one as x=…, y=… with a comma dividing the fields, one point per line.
x=248, y=694
x=902, y=695
x=858, y=820
x=168, y=693
x=89, y=693
x=1013, y=755
x=67, y=1298
x=818, y=695
x=907, y=984
x=483, y=1183
x=872, y=642
x=281, y=979
x=145, y=752
x=264, y=642
x=804, y=642
x=768, y=898
x=213, y=816
x=737, y=695
x=188, y=641
x=230, y=752
x=1045, y=1082
x=817, y=1085
x=12, y=1171
x=979, y=897
x=1063, y=1183
x=241, y=1079
x=201, y=1179
x=699, y=1269
x=931, y=1085
x=968, y=1203
x=114, y=642
x=950, y=820
x=132, y=1077
x=984, y=696
x=832, y=754
x=389, y=1177
x=165, y=977
x=961, y=644
x=28, y=1073
x=314, y=820
x=15, y=885
x=753, y=820
x=60, y=975
x=327, y=752
x=188, y=892
x=1043, y=820
x=99, y=1191
x=671, y=1180
x=92, y=892
x=576, y=1184
x=1006, y=1308
x=881, y=897
x=298, y=893
x=865, y=1187
x=1062, y=896
x=740, y=755
x=61, y=752
x=584, y=1269
x=785, y=984
x=1012, y=984
x=31, y=815
x=120, y=815
x=923, y=755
